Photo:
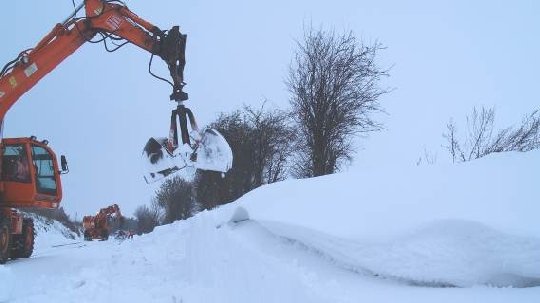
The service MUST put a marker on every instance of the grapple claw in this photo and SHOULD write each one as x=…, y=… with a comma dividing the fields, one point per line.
x=213, y=152
x=159, y=162
x=207, y=150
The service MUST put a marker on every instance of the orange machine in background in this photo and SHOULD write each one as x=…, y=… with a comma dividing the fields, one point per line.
x=100, y=225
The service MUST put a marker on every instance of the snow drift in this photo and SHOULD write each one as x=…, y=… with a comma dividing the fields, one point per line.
x=456, y=225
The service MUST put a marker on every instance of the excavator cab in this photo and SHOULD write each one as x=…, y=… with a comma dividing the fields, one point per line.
x=30, y=176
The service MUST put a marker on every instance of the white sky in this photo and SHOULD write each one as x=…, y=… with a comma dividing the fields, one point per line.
x=99, y=108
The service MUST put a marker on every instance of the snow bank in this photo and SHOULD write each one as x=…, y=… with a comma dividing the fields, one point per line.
x=500, y=191
x=50, y=232
x=455, y=225
x=441, y=254
x=460, y=253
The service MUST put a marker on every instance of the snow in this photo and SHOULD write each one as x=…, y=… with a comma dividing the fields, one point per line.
x=447, y=233
x=6, y=283
x=50, y=232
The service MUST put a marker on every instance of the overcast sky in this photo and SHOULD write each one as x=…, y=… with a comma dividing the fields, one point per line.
x=99, y=108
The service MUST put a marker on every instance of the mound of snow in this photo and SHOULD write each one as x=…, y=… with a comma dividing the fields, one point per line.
x=459, y=225
x=460, y=253
x=500, y=191
x=445, y=253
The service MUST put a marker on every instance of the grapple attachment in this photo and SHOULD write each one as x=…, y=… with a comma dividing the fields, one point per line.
x=206, y=150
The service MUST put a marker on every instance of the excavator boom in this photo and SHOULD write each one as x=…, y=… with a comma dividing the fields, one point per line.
x=106, y=19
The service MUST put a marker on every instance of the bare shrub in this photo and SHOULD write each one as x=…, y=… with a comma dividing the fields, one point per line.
x=482, y=139
x=147, y=219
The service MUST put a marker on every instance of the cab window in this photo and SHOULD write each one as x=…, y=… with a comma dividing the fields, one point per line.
x=15, y=166
x=45, y=174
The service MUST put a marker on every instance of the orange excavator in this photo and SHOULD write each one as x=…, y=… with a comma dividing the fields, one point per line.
x=99, y=226
x=30, y=174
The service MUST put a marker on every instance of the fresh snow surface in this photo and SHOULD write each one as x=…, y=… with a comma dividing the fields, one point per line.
x=443, y=233
x=49, y=233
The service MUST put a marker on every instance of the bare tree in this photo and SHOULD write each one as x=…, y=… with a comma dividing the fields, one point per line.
x=175, y=197
x=334, y=83
x=481, y=138
x=525, y=138
x=272, y=138
x=147, y=218
x=451, y=138
x=480, y=130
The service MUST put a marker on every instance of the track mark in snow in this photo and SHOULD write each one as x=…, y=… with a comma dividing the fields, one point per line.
x=79, y=284
x=67, y=244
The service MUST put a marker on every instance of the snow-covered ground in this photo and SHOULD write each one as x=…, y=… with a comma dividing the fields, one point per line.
x=457, y=233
